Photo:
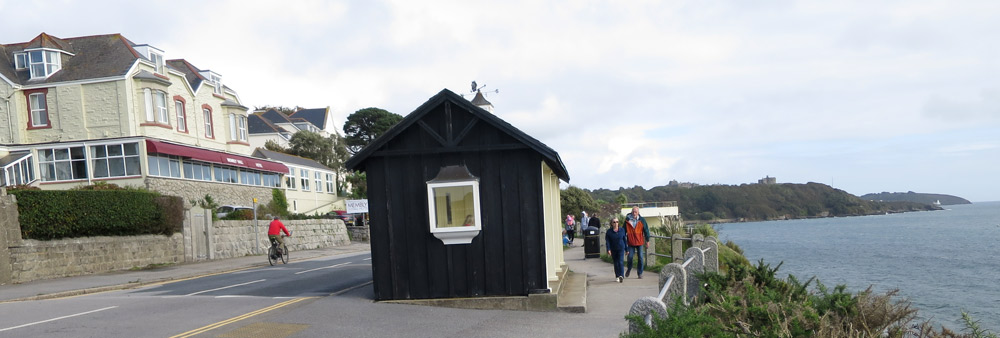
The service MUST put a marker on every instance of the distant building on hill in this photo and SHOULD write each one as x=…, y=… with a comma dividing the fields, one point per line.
x=675, y=184
x=767, y=180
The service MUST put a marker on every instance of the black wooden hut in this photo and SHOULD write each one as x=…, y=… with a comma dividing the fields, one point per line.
x=513, y=245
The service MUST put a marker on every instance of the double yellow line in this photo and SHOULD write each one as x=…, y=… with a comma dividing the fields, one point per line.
x=239, y=318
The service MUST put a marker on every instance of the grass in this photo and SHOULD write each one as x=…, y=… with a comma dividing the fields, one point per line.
x=150, y=267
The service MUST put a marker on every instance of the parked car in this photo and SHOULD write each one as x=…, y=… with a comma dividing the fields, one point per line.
x=227, y=209
x=343, y=216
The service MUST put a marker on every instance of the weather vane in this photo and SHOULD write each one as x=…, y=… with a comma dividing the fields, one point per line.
x=476, y=88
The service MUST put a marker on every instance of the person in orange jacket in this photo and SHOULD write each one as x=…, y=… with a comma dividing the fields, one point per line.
x=636, y=236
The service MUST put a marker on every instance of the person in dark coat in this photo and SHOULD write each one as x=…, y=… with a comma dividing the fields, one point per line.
x=594, y=222
x=614, y=240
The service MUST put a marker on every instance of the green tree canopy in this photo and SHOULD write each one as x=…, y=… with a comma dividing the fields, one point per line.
x=573, y=200
x=328, y=151
x=365, y=125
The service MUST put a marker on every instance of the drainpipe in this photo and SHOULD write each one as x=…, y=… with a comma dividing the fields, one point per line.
x=10, y=127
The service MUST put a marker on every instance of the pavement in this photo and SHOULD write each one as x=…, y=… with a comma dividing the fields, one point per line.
x=589, y=290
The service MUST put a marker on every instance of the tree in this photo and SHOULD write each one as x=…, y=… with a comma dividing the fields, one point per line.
x=365, y=125
x=573, y=200
x=281, y=109
x=359, y=184
x=272, y=145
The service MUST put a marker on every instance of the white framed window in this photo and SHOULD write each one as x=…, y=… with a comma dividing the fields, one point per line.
x=217, y=84
x=329, y=184
x=242, y=126
x=290, y=179
x=157, y=62
x=181, y=115
x=115, y=160
x=19, y=172
x=20, y=61
x=39, y=110
x=317, y=176
x=271, y=180
x=156, y=106
x=43, y=63
x=165, y=166
x=62, y=164
x=197, y=171
x=304, y=179
x=226, y=174
x=208, y=122
x=453, y=205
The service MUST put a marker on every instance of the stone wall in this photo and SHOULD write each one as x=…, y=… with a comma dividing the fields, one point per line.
x=359, y=234
x=35, y=260
x=223, y=194
x=237, y=238
x=10, y=234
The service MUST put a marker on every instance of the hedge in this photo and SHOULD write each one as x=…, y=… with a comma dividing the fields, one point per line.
x=49, y=214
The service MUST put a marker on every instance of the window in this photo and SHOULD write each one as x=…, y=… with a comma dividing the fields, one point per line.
x=290, y=179
x=319, y=181
x=217, y=83
x=62, y=164
x=156, y=106
x=181, y=115
x=38, y=109
x=249, y=177
x=19, y=172
x=207, y=112
x=226, y=174
x=329, y=183
x=304, y=176
x=115, y=160
x=197, y=171
x=242, y=125
x=453, y=205
x=43, y=63
x=20, y=61
x=271, y=180
x=157, y=61
x=163, y=165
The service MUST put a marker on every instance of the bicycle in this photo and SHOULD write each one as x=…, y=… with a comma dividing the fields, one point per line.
x=274, y=252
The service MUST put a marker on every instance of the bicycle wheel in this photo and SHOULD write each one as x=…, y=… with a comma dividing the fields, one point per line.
x=284, y=254
x=272, y=256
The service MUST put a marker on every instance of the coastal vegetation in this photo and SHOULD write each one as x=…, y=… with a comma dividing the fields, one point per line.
x=917, y=197
x=760, y=202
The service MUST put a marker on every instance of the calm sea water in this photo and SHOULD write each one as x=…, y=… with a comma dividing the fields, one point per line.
x=944, y=262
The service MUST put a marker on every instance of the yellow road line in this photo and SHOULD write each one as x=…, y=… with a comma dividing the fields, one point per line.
x=239, y=318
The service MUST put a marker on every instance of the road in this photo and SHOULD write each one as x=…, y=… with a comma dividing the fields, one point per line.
x=199, y=307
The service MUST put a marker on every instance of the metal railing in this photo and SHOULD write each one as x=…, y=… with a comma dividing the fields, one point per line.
x=678, y=279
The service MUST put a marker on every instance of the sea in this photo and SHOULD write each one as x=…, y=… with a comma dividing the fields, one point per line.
x=944, y=262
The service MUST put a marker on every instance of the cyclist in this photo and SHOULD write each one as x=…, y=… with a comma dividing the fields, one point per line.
x=274, y=232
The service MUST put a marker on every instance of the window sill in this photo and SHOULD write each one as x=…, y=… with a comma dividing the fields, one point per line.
x=238, y=142
x=64, y=181
x=156, y=124
x=48, y=126
x=463, y=236
x=219, y=96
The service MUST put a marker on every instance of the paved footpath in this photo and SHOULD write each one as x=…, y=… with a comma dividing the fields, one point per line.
x=607, y=300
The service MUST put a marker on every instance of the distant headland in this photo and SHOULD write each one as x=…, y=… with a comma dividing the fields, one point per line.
x=909, y=196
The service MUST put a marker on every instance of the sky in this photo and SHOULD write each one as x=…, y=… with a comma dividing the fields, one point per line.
x=864, y=96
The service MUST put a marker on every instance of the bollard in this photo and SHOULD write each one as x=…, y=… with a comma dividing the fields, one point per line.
x=678, y=288
x=694, y=266
x=712, y=255
x=677, y=248
x=697, y=240
x=646, y=308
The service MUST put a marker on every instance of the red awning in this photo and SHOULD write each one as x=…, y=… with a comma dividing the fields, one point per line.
x=206, y=155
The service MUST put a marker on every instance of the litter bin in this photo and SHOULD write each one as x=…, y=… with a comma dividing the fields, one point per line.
x=592, y=243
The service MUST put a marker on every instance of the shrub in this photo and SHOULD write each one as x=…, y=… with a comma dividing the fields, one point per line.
x=48, y=215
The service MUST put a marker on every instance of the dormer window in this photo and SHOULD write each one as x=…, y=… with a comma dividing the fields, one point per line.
x=157, y=62
x=217, y=82
x=20, y=61
x=43, y=63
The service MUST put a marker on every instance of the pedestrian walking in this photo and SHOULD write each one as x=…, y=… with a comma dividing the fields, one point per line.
x=614, y=240
x=637, y=235
x=570, y=228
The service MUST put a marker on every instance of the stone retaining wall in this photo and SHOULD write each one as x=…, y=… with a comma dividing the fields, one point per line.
x=359, y=234
x=237, y=238
x=34, y=259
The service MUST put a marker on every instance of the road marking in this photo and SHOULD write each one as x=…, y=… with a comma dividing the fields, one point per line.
x=55, y=319
x=325, y=267
x=338, y=293
x=226, y=287
x=239, y=318
x=367, y=259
